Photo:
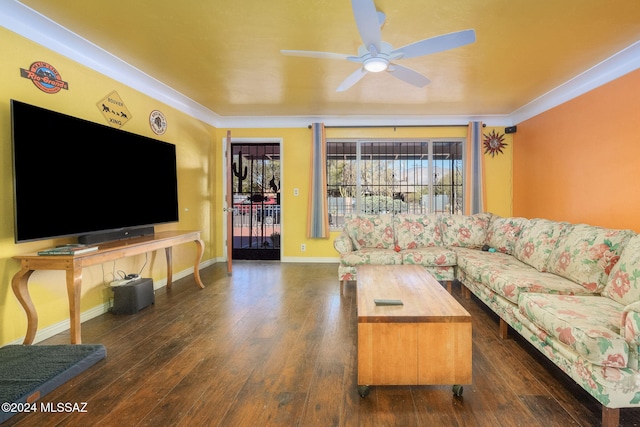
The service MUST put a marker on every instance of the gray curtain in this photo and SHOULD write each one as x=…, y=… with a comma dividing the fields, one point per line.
x=318, y=220
x=474, y=169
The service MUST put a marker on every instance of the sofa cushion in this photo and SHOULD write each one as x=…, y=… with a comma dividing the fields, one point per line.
x=370, y=231
x=417, y=231
x=429, y=257
x=510, y=283
x=371, y=256
x=588, y=324
x=537, y=240
x=586, y=254
x=464, y=231
x=509, y=277
x=504, y=232
x=478, y=264
x=623, y=284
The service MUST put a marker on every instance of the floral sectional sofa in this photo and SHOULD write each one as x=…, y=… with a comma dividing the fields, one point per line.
x=572, y=290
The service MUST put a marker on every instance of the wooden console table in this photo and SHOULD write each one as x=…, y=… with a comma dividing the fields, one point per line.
x=73, y=265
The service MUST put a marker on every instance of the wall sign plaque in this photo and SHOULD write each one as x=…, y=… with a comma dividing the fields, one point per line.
x=45, y=77
x=158, y=122
x=113, y=109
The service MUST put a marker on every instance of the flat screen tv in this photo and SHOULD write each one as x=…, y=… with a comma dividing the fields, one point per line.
x=73, y=177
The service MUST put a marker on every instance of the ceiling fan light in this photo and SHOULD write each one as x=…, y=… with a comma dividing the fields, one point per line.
x=376, y=64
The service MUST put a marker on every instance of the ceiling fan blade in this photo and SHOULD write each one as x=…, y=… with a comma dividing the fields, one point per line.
x=437, y=44
x=352, y=79
x=368, y=22
x=312, y=54
x=408, y=75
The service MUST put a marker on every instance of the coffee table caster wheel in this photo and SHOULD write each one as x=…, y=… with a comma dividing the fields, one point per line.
x=363, y=390
x=457, y=390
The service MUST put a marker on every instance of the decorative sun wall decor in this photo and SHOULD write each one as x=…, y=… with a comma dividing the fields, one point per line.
x=493, y=143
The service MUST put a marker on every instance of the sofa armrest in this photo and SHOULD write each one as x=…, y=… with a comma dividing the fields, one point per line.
x=631, y=322
x=631, y=332
x=343, y=243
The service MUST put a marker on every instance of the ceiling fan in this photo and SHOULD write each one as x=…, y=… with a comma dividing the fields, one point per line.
x=376, y=55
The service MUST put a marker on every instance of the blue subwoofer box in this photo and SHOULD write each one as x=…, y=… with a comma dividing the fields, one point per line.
x=133, y=297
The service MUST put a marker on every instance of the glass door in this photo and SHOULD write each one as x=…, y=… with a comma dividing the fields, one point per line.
x=255, y=173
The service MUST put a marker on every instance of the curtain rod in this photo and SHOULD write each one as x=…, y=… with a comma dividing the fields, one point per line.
x=395, y=126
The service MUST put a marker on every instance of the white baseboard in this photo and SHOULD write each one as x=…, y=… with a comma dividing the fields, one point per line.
x=301, y=260
x=324, y=260
x=57, y=328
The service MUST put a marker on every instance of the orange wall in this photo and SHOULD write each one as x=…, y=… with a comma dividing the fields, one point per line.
x=580, y=162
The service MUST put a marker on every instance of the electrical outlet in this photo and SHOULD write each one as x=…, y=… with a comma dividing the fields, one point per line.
x=303, y=247
x=296, y=192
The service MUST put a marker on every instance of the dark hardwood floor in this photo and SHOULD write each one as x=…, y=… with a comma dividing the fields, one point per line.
x=275, y=344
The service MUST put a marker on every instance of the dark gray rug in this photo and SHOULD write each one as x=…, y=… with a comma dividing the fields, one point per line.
x=28, y=372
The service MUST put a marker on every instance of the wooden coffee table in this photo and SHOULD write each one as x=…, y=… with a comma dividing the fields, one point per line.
x=425, y=341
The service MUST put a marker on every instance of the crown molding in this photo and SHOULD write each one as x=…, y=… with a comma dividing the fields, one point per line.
x=38, y=28
x=266, y=122
x=623, y=62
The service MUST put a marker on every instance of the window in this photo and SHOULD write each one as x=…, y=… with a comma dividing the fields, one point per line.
x=383, y=176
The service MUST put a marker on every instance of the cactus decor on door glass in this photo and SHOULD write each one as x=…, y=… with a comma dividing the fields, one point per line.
x=255, y=171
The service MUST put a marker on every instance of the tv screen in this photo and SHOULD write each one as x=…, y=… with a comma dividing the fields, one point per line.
x=75, y=177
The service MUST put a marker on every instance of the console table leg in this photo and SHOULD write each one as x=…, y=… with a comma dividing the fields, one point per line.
x=169, y=254
x=21, y=291
x=196, y=267
x=74, y=288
